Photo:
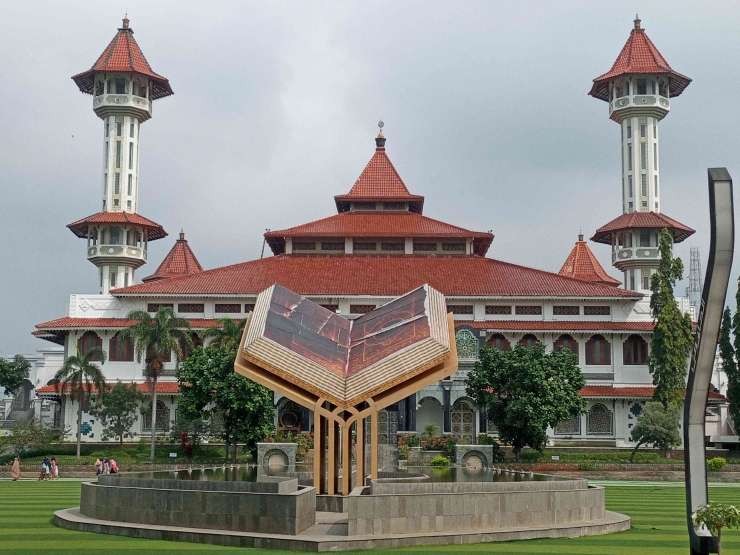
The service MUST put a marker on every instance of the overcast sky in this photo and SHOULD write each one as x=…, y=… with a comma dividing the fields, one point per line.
x=275, y=110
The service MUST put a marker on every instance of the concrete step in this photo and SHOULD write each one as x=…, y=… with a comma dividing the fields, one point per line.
x=329, y=524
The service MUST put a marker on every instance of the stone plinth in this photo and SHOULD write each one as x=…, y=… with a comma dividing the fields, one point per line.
x=474, y=457
x=276, y=459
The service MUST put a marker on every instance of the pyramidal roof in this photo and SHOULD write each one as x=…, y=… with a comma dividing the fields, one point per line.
x=179, y=262
x=379, y=181
x=581, y=264
x=123, y=54
x=639, y=56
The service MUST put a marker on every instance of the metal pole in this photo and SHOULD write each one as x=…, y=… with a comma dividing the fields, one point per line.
x=722, y=226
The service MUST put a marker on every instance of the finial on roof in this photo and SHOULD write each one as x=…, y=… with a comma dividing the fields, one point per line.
x=182, y=235
x=580, y=237
x=380, y=139
x=125, y=21
x=637, y=21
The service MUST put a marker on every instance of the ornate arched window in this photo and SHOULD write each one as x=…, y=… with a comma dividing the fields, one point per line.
x=90, y=341
x=598, y=350
x=529, y=340
x=572, y=426
x=121, y=348
x=566, y=341
x=163, y=417
x=498, y=341
x=600, y=421
x=467, y=344
x=462, y=420
x=635, y=350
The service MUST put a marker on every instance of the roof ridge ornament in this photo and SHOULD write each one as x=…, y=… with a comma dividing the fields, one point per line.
x=380, y=138
x=124, y=23
x=637, y=22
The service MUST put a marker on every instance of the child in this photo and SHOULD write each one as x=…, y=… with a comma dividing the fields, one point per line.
x=54, y=469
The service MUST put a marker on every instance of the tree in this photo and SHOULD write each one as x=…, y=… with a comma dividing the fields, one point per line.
x=81, y=377
x=729, y=362
x=27, y=436
x=155, y=338
x=13, y=372
x=672, y=338
x=117, y=409
x=527, y=390
x=228, y=334
x=210, y=386
x=657, y=426
x=716, y=516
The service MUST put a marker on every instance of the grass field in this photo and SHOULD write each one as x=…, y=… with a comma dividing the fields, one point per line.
x=656, y=510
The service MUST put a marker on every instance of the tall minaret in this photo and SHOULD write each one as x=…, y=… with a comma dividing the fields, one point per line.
x=123, y=86
x=638, y=88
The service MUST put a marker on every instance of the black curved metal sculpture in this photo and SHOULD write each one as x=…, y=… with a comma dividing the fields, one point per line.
x=722, y=224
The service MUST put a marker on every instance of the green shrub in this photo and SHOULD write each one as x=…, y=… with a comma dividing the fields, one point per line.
x=531, y=456
x=498, y=453
x=716, y=463
x=440, y=461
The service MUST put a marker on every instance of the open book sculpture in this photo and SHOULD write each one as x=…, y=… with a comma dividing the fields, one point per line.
x=346, y=370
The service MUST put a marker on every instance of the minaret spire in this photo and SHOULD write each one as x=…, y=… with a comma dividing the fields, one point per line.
x=123, y=86
x=639, y=88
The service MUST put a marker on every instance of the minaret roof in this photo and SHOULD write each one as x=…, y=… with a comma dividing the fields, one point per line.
x=642, y=220
x=379, y=181
x=639, y=56
x=154, y=231
x=123, y=54
x=581, y=264
x=179, y=262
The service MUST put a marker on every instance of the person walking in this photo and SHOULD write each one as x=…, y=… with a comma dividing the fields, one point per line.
x=113, y=466
x=15, y=469
x=54, y=469
x=98, y=467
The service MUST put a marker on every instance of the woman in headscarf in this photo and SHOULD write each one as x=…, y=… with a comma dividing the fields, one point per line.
x=15, y=469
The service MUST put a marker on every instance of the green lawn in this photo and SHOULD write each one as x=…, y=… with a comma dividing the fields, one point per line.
x=656, y=510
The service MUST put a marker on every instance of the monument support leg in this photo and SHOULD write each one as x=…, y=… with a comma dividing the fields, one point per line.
x=337, y=458
x=331, y=459
x=346, y=439
x=318, y=453
x=374, y=445
x=360, y=452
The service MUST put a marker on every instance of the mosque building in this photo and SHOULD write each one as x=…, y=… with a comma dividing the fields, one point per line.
x=375, y=245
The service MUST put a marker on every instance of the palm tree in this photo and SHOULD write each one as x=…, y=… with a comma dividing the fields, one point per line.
x=155, y=338
x=80, y=376
x=228, y=334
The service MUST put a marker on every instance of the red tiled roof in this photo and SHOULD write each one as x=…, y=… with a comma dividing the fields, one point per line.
x=164, y=388
x=555, y=325
x=123, y=55
x=180, y=261
x=642, y=220
x=379, y=181
x=154, y=230
x=378, y=224
x=69, y=322
x=639, y=56
x=378, y=275
x=582, y=264
x=632, y=392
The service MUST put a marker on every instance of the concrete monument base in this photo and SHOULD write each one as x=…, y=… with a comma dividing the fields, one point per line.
x=395, y=511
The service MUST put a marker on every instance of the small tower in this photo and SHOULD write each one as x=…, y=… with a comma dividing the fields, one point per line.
x=638, y=88
x=124, y=87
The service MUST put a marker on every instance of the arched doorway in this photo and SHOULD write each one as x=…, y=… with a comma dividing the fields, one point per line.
x=462, y=417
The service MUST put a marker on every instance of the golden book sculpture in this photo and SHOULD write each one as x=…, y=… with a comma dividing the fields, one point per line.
x=346, y=370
